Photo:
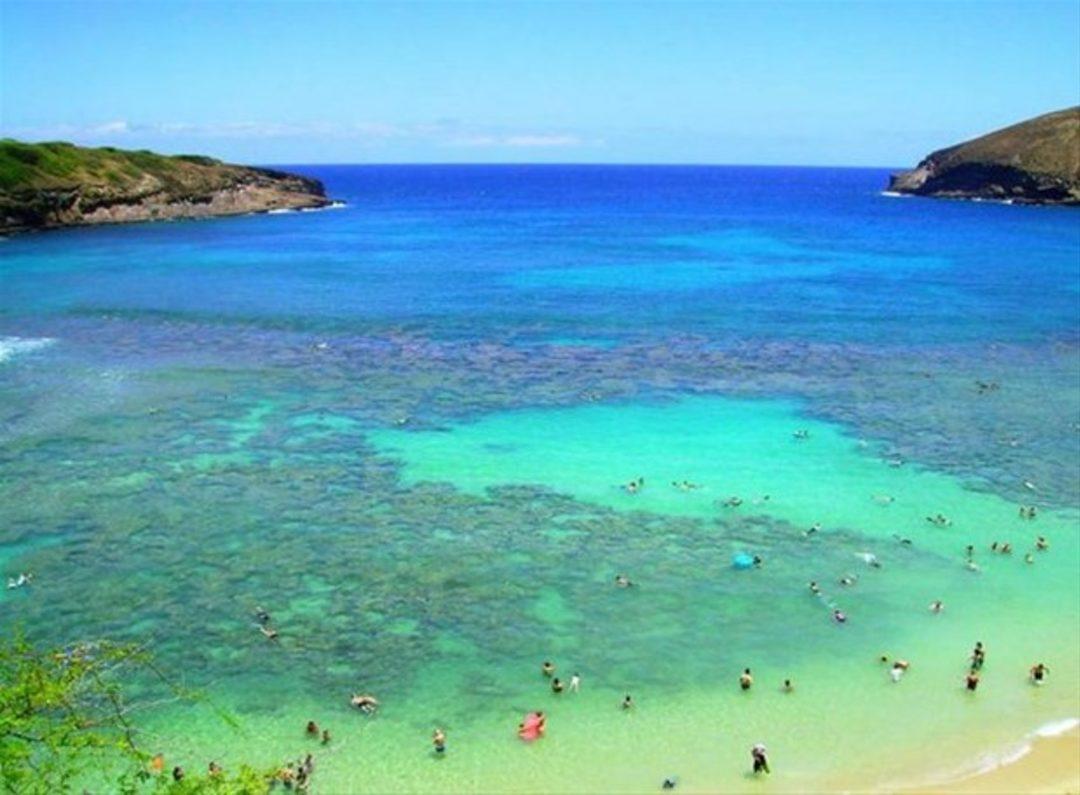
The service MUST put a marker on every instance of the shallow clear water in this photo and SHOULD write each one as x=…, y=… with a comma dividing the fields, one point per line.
x=403, y=427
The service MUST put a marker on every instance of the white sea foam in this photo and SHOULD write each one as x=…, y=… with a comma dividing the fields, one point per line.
x=894, y=195
x=280, y=211
x=1056, y=728
x=12, y=346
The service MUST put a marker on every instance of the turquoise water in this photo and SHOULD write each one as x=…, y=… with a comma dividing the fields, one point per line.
x=405, y=428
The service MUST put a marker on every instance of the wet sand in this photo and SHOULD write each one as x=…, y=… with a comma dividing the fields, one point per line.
x=1052, y=766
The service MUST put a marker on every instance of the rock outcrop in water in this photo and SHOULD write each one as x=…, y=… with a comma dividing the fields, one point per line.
x=50, y=185
x=1034, y=162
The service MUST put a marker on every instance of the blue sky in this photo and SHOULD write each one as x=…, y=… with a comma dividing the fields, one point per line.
x=850, y=83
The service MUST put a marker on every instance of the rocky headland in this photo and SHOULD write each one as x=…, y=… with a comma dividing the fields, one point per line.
x=51, y=185
x=1033, y=162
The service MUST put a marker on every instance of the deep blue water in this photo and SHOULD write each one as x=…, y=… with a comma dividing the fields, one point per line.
x=550, y=252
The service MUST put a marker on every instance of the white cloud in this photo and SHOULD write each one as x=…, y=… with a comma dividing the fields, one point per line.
x=542, y=140
x=442, y=133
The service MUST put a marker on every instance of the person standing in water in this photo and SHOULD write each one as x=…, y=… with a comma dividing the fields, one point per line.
x=978, y=656
x=746, y=680
x=575, y=682
x=1038, y=673
x=760, y=758
x=627, y=703
x=972, y=680
x=548, y=668
x=438, y=739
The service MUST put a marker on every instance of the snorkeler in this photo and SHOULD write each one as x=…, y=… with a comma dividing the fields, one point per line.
x=364, y=702
x=746, y=680
x=262, y=615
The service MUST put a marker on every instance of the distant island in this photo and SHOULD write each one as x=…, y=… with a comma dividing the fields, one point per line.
x=1033, y=162
x=58, y=184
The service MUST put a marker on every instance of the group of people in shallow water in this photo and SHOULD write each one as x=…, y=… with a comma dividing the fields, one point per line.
x=534, y=724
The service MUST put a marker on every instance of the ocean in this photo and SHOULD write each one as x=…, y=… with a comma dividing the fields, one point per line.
x=406, y=428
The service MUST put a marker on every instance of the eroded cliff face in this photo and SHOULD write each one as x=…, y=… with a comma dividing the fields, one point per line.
x=1035, y=162
x=163, y=189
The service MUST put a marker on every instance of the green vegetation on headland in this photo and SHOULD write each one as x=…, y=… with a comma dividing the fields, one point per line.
x=1033, y=162
x=65, y=722
x=57, y=184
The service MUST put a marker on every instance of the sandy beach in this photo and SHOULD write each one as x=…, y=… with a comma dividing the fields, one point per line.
x=1051, y=766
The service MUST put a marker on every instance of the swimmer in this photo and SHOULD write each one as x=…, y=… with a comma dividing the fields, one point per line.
x=788, y=687
x=627, y=703
x=815, y=589
x=902, y=540
x=1042, y=544
x=761, y=759
x=839, y=616
x=848, y=580
x=870, y=559
x=937, y=606
x=814, y=528
x=1038, y=673
x=438, y=739
x=732, y=502
x=178, y=773
x=575, y=683
x=631, y=487
x=669, y=783
x=262, y=615
x=972, y=566
x=548, y=668
x=971, y=681
x=1029, y=558
x=326, y=737
x=269, y=633
x=758, y=561
x=312, y=729
x=364, y=702
x=622, y=581
x=762, y=499
x=746, y=680
x=1006, y=549
x=556, y=685
x=213, y=769
x=802, y=433
x=883, y=499
x=970, y=551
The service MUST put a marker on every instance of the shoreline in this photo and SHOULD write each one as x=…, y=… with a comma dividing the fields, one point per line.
x=1045, y=762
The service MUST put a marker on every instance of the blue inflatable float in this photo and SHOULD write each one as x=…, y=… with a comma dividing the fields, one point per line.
x=742, y=561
